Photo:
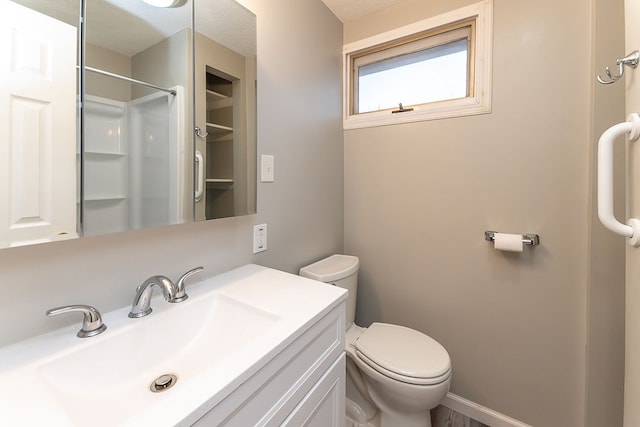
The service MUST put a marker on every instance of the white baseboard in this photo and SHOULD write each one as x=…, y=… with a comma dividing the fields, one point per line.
x=479, y=412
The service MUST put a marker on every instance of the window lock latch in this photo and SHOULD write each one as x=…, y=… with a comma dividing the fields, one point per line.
x=401, y=109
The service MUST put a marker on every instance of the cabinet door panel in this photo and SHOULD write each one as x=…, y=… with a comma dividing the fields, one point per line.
x=324, y=406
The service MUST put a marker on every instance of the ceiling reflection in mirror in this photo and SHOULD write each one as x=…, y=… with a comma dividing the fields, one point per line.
x=149, y=76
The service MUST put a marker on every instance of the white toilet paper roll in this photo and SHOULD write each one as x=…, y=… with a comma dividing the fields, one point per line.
x=508, y=242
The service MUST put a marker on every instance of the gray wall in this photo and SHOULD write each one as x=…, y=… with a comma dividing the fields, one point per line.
x=107, y=60
x=299, y=122
x=534, y=335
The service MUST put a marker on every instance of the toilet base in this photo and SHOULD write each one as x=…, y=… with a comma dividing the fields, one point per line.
x=360, y=411
x=402, y=404
x=356, y=416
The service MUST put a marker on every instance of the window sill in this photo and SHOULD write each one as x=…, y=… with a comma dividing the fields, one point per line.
x=434, y=111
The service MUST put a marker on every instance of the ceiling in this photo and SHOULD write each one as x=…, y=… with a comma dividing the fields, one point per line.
x=349, y=10
x=129, y=27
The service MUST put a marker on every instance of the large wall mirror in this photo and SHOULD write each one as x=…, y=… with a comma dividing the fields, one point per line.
x=144, y=117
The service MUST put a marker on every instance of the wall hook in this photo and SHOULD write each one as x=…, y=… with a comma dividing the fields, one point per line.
x=630, y=60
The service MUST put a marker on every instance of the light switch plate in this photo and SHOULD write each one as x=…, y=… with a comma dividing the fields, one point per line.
x=266, y=168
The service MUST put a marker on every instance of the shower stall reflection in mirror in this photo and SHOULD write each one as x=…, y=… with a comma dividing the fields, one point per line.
x=133, y=162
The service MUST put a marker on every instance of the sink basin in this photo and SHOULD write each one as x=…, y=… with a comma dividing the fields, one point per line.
x=184, y=342
x=212, y=342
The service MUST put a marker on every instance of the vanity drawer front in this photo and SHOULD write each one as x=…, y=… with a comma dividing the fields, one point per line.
x=269, y=396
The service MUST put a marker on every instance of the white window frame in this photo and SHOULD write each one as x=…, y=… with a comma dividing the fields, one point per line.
x=479, y=102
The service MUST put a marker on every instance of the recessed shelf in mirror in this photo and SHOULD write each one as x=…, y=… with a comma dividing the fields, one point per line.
x=103, y=154
x=220, y=180
x=216, y=95
x=225, y=86
x=216, y=128
x=103, y=198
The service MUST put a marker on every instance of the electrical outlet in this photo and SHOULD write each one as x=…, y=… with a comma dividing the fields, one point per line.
x=259, y=238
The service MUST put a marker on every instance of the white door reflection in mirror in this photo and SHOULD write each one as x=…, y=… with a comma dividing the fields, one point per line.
x=37, y=128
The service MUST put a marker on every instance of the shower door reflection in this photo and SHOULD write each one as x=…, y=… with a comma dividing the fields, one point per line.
x=133, y=173
x=137, y=159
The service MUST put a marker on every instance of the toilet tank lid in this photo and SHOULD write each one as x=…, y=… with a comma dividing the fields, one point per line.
x=333, y=268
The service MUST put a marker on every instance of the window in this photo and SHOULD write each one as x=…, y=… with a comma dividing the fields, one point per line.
x=435, y=67
x=432, y=69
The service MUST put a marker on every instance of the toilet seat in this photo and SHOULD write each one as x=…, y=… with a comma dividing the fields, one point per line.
x=403, y=354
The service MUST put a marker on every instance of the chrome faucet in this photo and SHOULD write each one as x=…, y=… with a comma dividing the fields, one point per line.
x=181, y=295
x=91, y=322
x=172, y=292
x=142, y=302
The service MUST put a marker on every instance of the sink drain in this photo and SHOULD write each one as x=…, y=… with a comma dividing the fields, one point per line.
x=163, y=382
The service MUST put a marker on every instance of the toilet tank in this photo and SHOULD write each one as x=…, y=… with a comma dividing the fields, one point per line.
x=339, y=270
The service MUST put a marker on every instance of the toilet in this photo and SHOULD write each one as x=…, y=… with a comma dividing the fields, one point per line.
x=395, y=375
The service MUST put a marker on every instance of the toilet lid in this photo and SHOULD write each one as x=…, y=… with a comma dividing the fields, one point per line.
x=403, y=352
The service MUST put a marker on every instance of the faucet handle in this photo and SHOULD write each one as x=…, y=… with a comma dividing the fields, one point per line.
x=91, y=322
x=181, y=295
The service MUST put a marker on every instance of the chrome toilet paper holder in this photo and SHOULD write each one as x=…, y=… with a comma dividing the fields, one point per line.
x=527, y=239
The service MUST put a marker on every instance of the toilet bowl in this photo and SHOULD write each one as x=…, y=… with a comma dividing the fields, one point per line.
x=397, y=374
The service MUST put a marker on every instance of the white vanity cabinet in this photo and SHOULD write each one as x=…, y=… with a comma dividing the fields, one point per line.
x=303, y=385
